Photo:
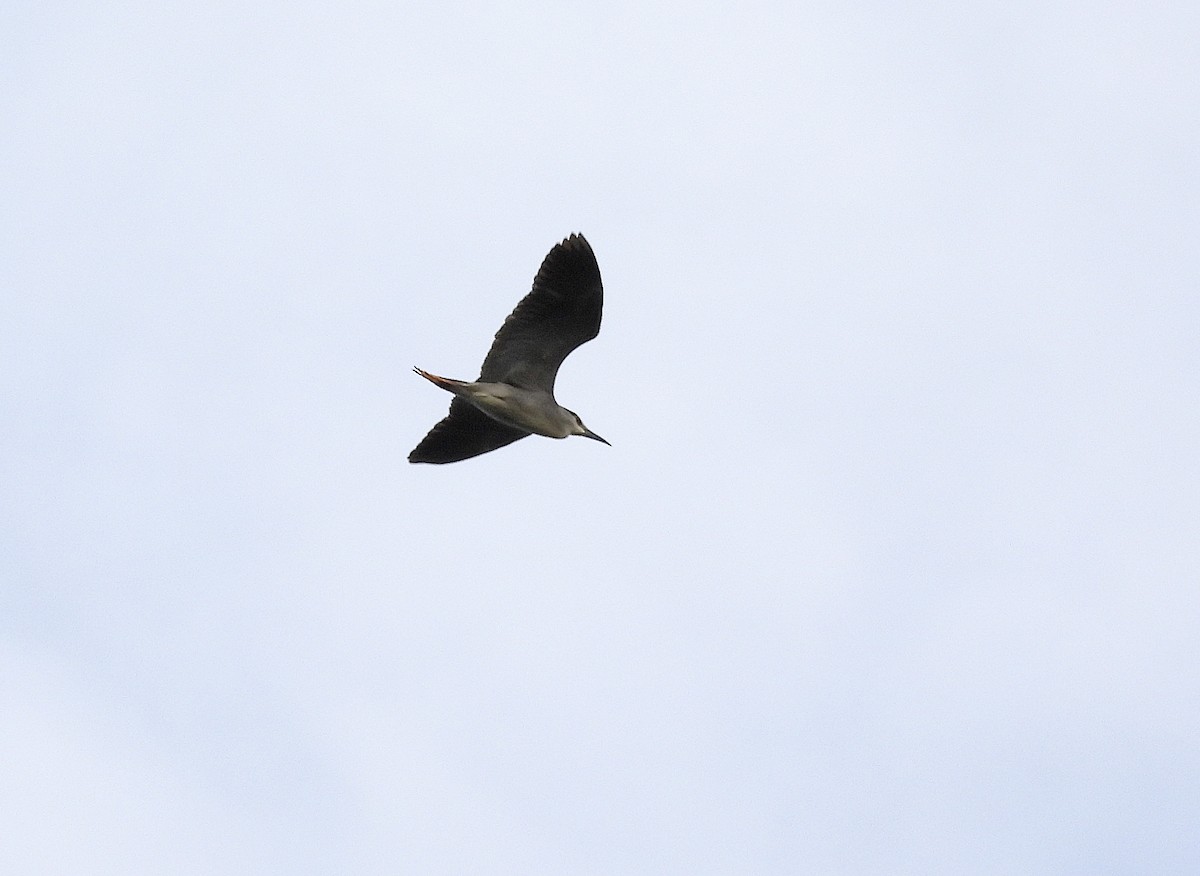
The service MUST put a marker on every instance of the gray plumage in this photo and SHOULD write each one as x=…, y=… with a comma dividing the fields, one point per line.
x=514, y=395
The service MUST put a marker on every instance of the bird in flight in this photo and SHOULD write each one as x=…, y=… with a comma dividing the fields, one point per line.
x=514, y=395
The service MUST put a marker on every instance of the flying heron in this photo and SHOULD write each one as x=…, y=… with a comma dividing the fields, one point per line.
x=514, y=395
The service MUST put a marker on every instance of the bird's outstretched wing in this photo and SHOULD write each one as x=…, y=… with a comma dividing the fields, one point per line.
x=560, y=313
x=465, y=432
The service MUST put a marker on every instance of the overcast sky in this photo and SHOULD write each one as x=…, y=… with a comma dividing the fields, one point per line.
x=893, y=565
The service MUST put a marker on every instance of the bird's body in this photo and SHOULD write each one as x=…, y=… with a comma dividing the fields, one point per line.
x=514, y=395
x=530, y=410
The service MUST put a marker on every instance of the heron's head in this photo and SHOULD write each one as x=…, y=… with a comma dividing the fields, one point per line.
x=579, y=429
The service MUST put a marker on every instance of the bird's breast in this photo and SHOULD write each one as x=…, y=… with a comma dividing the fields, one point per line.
x=532, y=410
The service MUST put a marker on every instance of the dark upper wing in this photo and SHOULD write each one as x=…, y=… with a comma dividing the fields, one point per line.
x=465, y=432
x=560, y=313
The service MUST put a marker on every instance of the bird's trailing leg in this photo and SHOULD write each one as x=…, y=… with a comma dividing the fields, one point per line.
x=454, y=386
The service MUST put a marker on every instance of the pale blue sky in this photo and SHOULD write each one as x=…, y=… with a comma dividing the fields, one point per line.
x=893, y=565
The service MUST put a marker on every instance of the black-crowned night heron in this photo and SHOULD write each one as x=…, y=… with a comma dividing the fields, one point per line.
x=514, y=395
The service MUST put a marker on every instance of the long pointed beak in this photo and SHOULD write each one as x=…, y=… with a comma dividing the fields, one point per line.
x=588, y=433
